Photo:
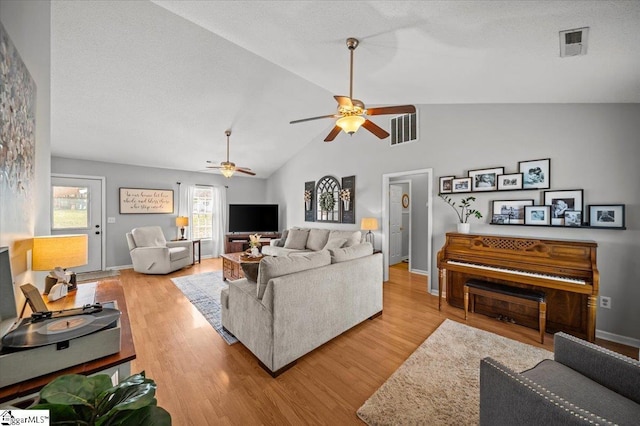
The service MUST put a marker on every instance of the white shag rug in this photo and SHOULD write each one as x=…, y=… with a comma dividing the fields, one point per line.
x=439, y=384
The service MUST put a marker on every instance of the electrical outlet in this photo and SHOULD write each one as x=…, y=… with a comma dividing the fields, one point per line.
x=605, y=302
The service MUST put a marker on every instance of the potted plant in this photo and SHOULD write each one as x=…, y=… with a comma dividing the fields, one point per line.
x=254, y=243
x=345, y=196
x=326, y=203
x=463, y=210
x=74, y=399
x=307, y=199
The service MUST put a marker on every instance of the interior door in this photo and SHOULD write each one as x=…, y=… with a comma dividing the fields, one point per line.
x=395, y=224
x=76, y=208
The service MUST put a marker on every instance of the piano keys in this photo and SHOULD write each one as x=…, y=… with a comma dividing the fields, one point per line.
x=565, y=270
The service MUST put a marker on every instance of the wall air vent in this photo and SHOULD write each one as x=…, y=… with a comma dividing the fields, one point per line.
x=574, y=42
x=404, y=128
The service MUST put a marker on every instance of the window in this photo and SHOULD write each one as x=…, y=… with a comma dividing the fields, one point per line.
x=202, y=213
x=69, y=207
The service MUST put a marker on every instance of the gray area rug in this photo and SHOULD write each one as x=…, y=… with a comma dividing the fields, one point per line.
x=439, y=383
x=96, y=275
x=203, y=291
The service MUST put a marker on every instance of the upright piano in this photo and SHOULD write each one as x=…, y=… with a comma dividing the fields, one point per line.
x=564, y=269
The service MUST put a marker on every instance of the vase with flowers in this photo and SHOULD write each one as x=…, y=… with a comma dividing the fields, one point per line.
x=463, y=210
x=254, y=243
x=345, y=196
x=326, y=203
x=307, y=199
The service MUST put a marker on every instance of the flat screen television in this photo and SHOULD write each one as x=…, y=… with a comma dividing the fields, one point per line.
x=253, y=218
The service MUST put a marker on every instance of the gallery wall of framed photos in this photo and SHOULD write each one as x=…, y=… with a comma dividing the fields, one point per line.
x=558, y=208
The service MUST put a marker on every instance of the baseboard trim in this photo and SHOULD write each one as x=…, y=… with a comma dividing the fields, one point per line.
x=419, y=272
x=629, y=341
x=120, y=267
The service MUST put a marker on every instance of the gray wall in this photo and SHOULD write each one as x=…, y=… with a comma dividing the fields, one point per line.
x=28, y=26
x=591, y=146
x=239, y=190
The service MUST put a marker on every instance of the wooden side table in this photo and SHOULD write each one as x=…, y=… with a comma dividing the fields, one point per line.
x=197, y=243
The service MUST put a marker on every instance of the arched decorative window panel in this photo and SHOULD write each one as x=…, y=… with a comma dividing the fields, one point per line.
x=328, y=200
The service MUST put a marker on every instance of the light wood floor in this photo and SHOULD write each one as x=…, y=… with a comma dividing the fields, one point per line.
x=203, y=381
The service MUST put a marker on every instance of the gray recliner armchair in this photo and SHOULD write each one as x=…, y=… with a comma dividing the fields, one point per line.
x=151, y=253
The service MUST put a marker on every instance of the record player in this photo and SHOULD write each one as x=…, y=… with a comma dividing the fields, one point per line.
x=50, y=341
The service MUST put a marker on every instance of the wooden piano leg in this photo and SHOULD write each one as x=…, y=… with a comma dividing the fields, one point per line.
x=592, y=305
x=542, y=308
x=466, y=301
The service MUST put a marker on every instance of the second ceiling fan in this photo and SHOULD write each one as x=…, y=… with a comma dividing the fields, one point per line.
x=352, y=112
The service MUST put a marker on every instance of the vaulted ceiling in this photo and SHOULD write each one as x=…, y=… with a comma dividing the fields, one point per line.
x=158, y=83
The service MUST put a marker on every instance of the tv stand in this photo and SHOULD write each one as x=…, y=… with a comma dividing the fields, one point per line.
x=235, y=242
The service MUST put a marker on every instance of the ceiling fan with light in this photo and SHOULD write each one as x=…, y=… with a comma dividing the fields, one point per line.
x=352, y=113
x=227, y=168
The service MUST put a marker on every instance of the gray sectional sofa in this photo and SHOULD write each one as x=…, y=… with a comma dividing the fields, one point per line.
x=583, y=384
x=299, y=302
x=300, y=240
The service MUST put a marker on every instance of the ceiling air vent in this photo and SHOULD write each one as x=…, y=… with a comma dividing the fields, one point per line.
x=574, y=42
x=404, y=128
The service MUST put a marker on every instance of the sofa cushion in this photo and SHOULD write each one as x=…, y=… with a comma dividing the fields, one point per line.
x=273, y=267
x=149, y=236
x=353, y=237
x=349, y=253
x=317, y=239
x=250, y=270
x=297, y=239
x=280, y=241
x=335, y=243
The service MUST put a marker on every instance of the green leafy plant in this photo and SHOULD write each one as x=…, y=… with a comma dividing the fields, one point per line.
x=463, y=210
x=327, y=201
x=74, y=399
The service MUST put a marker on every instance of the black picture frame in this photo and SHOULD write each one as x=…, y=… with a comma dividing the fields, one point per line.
x=446, y=184
x=561, y=201
x=514, y=209
x=573, y=218
x=510, y=182
x=607, y=216
x=536, y=174
x=485, y=179
x=537, y=215
x=461, y=184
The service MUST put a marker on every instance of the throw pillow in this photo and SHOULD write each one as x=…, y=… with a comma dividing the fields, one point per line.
x=349, y=253
x=250, y=270
x=353, y=237
x=317, y=239
x=297, y=239
x=282, y=238
x=276, y=266
x=335, y=243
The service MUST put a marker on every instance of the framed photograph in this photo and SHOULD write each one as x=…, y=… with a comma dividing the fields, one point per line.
x=537, y=215
x=146, y=201
x=561, y=201
x=446, y=184
x=500, y=219
x=572, y=218
x=485, y=179
x=606, y=216
x=536, y=173
x=513, y=209
x=461, y=184
x=509, y=182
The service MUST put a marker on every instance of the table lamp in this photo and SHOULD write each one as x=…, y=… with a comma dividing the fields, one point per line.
x=369, y=224
x=54, y=253
x=181, y=222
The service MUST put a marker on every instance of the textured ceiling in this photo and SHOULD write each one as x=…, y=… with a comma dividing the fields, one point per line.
x=158, y=83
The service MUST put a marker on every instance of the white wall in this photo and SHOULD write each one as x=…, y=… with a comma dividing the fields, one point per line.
x=239, y=190
x=591, y=146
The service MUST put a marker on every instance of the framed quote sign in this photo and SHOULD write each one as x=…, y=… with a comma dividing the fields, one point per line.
x=146, y=201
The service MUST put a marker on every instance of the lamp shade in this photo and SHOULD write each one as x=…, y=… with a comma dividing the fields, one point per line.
x=369, y=224
x=65, y=251
x=228, y=170
x=182, y=221
x=351, y=123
